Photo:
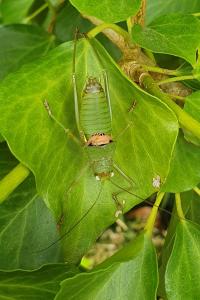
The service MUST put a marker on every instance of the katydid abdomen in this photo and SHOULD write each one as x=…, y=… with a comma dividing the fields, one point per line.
x=94, y=111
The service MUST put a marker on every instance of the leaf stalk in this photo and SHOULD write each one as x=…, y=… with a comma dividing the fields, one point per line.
x=197, y=190
x=12, y=180
x=152, y=218
x=178, y=78
x=179, y=207
x=35, y=13
x=96, y=30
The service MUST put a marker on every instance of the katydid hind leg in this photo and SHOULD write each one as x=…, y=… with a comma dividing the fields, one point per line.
x=106, y=87
x=75, y=89
x=148, y=202
x=76, y=104
x=120, y=205
x=84, y=215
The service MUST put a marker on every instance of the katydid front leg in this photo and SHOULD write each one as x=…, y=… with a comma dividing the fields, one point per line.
x=46, y=105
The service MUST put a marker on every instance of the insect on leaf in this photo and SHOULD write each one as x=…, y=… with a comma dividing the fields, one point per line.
x=64, y=176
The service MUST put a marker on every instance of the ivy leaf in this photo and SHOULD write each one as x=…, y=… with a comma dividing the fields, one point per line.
x=14, y=11
x=189, y=203
x=173, y=34
x=25, y=224
x=111, y=12
x=21, y=44
x=67, y=21
x=40, y=284
x=193, y=212
x=157, y=8
x=63, y=172
x=184, y=264
x=184, y=172
x=120, y=277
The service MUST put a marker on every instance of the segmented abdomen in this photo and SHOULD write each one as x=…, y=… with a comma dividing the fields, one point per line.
x=95, y=114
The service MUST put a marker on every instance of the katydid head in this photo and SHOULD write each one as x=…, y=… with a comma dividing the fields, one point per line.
x=99, y=139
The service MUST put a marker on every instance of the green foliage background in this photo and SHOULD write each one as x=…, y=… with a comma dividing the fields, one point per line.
x=36, y=53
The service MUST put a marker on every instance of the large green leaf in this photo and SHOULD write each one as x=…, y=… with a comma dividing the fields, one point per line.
x=67, y=21
x=183, y=268
x=185, y=167
x=192, y=106
x=25, y=224
x=111, y=12
x=14, y=11
x=190, y=206
x=173, y=34
x=21, y=44
x=63, y=176
x=129, y=274
x=193, y=212
x=156, y=8
x=41, y=284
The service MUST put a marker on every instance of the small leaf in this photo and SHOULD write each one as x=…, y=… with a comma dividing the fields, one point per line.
x=185, y=167
x=21, y=44
x=156, y=8
x=26, y=224
x=40, y=284
x=120, y=277
x=111, y=11
x=183, y=268
x=173, y=34
x=14, y=11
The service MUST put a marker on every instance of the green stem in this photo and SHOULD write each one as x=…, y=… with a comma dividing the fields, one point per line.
x=9, y=183
x=35, y=13
x=151, y=220
x=178, y=78
x=159, y=70
x=185, y=120
x=196, y=14
x=182, y=99
x=93, y=32
x=179, y=207
x=197, y=190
